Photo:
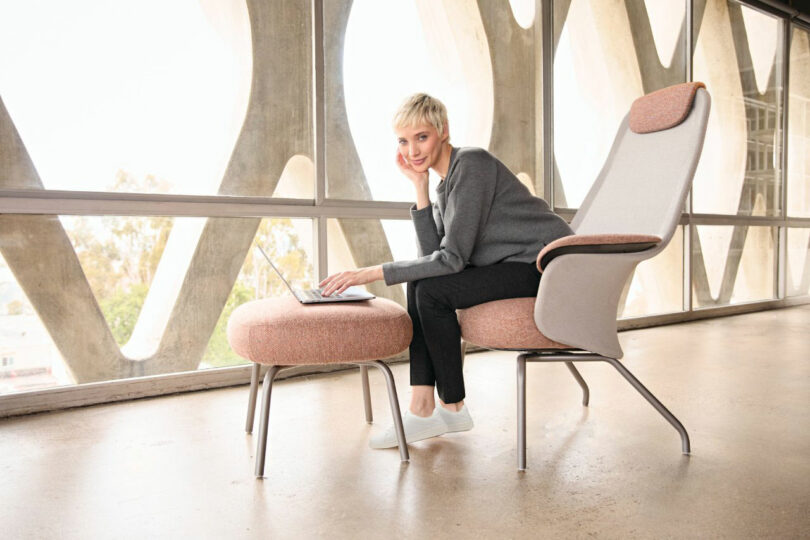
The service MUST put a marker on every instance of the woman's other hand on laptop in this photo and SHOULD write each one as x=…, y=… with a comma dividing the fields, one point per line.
x=337, y=283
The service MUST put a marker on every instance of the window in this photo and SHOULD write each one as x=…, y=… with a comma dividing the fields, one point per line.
x=798, y=162
x=135, y=295
x=150, y=168
x=738, y=55
x=387, y=56
x=606, y=56
x=738, y=267
x=798, y=261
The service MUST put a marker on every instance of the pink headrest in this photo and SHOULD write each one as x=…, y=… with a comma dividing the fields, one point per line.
x=663, y=108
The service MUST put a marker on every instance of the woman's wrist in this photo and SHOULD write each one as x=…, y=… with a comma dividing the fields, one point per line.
x=377, y=272
x=422, y=197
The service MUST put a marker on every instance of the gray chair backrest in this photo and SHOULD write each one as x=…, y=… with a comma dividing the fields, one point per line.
x=644, y=182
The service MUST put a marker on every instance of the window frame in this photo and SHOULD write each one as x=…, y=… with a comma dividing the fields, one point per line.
x=320, y=209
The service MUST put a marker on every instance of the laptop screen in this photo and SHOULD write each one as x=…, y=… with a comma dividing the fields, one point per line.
x=273, y=266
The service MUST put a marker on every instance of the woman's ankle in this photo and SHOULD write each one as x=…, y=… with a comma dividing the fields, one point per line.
x=453, y=407
x=422, y=411
x=422, y=401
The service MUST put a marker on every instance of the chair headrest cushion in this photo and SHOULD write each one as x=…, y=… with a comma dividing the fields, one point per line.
x=663, y=109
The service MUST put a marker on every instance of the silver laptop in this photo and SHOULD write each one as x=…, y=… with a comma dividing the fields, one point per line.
x=313, y=296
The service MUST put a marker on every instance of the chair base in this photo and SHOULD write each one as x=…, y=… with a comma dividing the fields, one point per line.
x=569, y=358
x=261, y=450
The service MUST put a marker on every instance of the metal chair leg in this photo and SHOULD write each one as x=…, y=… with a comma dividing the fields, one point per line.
x=394, y=400
x=521, y=412
x=685, y=447
x=261, y=449
x=366, y=393
x=254, y=389
x=586, y=394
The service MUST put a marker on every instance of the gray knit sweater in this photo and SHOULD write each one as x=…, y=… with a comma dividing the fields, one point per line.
x=483, y=215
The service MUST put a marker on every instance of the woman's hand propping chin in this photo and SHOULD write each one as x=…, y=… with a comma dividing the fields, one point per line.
x=419, y=179
x=337, y=283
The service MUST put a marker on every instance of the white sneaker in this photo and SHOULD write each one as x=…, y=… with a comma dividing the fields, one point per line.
x=456, y=421
x=416, y=428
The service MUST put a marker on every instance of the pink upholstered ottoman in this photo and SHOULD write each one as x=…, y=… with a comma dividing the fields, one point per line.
x=282, y=332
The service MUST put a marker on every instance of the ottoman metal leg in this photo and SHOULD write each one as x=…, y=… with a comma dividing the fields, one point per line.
x=254, y=389
x=261, y=449
x=394, y=400
x=366, y=393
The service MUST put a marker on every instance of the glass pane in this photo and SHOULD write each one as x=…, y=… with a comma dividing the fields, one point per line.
x=739, y=56
x=798, y=262
x=657, y=284
x=607, y=54
x=29, y=360
x=377, y=56
x=357, y=243
x=160, y=106
x=732, y=265
x=288, y=243
x=85, y=299
x=798, y=166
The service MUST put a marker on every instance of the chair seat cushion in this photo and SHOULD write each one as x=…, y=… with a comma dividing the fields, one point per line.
x=504, y=324
x=282, y=331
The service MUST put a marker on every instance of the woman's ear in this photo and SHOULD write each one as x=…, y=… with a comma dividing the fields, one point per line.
x=445, y=132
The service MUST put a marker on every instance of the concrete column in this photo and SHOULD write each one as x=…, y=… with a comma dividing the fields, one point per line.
x=514, y=67
x=277, y=125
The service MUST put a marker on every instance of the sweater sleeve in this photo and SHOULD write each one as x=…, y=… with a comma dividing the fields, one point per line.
x=427, y=237
x=469, y=200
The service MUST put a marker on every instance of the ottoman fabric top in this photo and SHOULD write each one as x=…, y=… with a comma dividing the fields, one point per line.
x=282, y=331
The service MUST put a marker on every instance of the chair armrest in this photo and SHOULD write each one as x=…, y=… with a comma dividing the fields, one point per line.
x=578, y=298
x=595, y=243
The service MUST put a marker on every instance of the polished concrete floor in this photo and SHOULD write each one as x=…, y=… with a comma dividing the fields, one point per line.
x=182, y=467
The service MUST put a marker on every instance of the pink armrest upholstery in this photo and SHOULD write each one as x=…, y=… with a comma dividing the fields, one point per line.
x=596, y=243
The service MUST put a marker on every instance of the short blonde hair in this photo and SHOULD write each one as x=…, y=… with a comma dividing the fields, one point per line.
x=421, y=109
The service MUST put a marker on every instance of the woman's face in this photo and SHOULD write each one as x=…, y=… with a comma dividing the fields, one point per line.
x=420, y=146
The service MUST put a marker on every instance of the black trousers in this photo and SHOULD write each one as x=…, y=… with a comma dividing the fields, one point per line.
x=432, y=303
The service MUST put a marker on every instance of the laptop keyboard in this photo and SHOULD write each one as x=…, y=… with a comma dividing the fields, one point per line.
x=315, y=294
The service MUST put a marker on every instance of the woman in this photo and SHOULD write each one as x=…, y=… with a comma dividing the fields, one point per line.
x=477, y=243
